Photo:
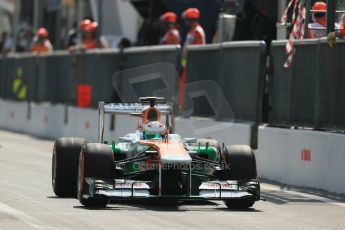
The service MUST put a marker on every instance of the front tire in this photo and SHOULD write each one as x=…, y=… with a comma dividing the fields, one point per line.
x=95, y=161
x=65, y=164
x=241, y=163
x=239, y=203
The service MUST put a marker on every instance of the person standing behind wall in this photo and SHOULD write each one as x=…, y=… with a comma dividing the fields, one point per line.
x=6, y=43
x=195, y=36
x=332, y=36
x=42, y=45
x=91, y=39
x=172, y=35
x=339, y=33
x=317, y=29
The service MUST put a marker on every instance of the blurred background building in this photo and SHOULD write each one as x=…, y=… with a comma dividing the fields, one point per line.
x=7, y=12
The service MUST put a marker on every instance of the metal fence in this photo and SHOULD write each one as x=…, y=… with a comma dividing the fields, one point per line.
x=18, y=77
x=145, y=70
x=238, y=68
x=235, y=69
x=57, y=78
x=309, y=93
x=225, y=80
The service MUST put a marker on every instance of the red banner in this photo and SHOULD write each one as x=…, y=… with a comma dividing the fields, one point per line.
x=84, y=93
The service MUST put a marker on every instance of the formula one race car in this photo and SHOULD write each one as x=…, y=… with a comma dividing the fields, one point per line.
x=153, y=163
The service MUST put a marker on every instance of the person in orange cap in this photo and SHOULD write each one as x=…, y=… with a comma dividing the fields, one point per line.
x=91, y=40
x=84, y=23
x=71, y=41
x=172, y=35
x=42, y=45
x=317, y=29
x=196, y=34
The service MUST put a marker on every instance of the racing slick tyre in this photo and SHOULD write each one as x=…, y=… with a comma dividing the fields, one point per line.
x=95, y=161
x=65, y=165
x=242, y=164
x=239, y=203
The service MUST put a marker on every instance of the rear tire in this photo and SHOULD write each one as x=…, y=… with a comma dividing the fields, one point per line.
x=242, y=163
x=96, y=161
x=65, y=165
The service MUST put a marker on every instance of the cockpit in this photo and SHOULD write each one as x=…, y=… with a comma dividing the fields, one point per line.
x=150, y=114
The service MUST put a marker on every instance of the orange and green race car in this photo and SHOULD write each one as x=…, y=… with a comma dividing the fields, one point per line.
x=153, y=163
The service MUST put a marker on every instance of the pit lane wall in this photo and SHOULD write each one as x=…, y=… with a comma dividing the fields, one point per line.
x=83, y=78
x=305, y=158
x=296, y=157
x=53, y=121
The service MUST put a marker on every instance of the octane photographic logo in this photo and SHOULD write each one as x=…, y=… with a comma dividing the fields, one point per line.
x=141, y=166
x=201, y=98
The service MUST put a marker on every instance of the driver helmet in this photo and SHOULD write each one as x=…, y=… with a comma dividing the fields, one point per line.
x=154, y=130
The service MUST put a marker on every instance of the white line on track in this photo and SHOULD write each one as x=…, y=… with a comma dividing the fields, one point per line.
x=306, y=195
x=23, y=217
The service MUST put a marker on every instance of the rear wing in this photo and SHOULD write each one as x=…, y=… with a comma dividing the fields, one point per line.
x=134, y=109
